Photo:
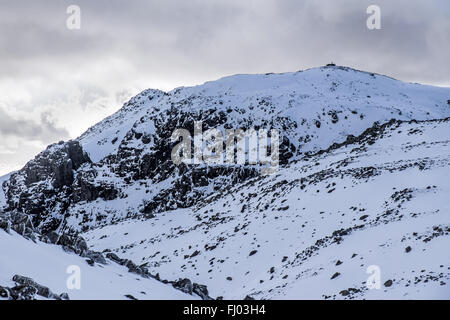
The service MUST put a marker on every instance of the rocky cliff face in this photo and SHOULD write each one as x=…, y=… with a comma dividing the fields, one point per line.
x=44, y=188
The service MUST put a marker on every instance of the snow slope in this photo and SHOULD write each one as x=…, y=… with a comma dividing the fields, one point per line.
x=47, y=265
x=361, y=204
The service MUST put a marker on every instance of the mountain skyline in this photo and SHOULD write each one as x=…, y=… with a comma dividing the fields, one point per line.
x=57, y=82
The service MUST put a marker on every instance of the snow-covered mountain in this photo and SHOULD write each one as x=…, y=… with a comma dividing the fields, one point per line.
x=362, y=182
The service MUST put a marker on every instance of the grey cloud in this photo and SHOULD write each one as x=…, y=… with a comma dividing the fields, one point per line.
x=222, y=37
x=46, y=131
x=126, y=46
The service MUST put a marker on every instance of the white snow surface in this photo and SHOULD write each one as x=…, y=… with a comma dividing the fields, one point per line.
x=47, y=265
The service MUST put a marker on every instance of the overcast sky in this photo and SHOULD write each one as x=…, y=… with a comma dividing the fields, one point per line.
x=56, y=82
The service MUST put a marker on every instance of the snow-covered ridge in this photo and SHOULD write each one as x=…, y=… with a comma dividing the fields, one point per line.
x=325, y=103
x=95, y=138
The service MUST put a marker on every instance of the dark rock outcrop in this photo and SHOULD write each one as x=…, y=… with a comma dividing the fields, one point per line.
x=27, y=289
x=41, y=190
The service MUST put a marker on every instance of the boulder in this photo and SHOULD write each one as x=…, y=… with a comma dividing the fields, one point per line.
x=52, y=237
x=26, y=289
x=40, y=290
x=23, y=292
x=95, y=256
x=112, y=256
x=4, y=292
x=184, y=285
x=201, y=290
x=5, y=224
x=64, y=296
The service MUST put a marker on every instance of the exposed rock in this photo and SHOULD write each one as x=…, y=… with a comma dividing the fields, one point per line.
x=112, y=256
x=4, y=292
x=184, y=285
x=41, y=290
x=94, y=256
x=344, y=293
x=73, y=243
x=133, y=268
x=335, y=275
x=23, y=292
x=64, y=296
x=27, y=289
x=34, y=192
x=5, y=224
x=52, y=237
x=201, y=290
